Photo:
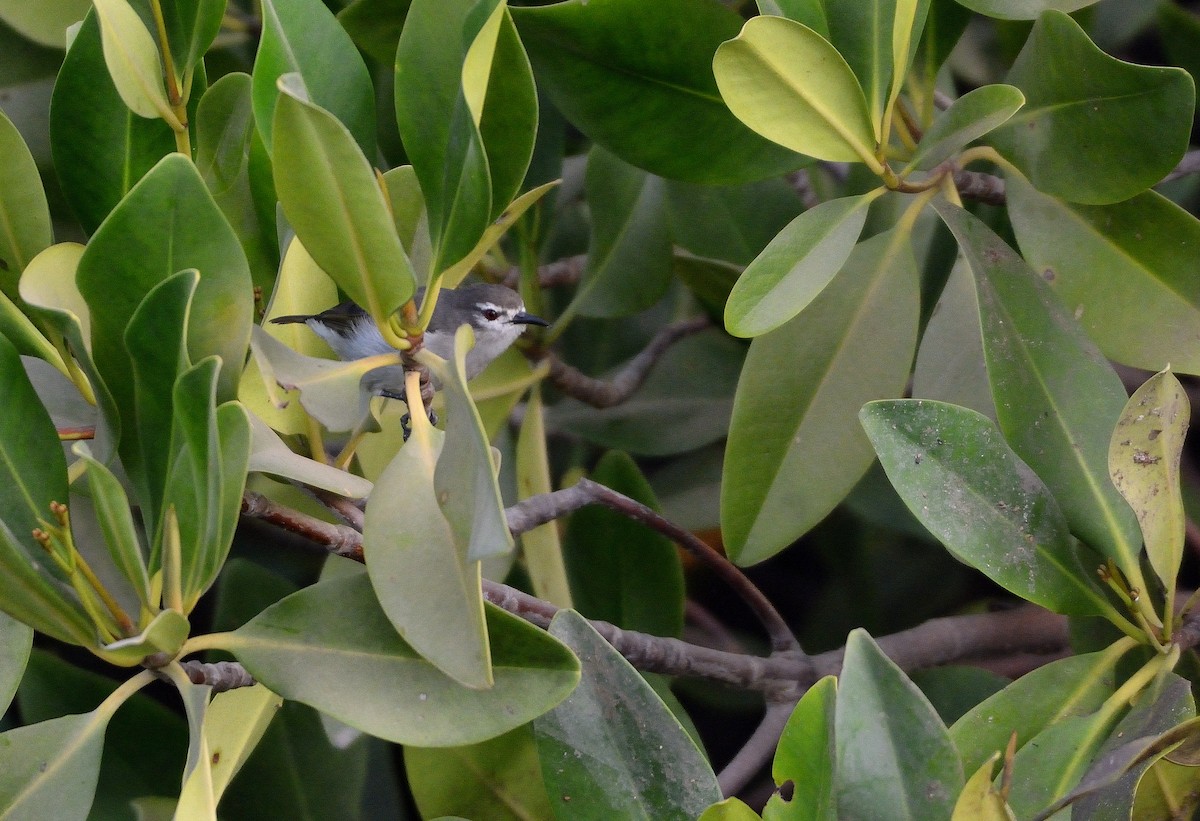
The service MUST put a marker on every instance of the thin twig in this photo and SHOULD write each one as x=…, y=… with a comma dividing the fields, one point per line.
x=339, y=539
x=605, y=393
x=220, y=675
x=345, y=509
x=757, y=750
x=547, y=507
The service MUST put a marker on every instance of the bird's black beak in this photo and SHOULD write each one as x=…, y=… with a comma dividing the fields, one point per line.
x=529, y=319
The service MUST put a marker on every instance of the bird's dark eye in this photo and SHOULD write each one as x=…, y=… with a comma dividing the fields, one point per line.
x=491, y=314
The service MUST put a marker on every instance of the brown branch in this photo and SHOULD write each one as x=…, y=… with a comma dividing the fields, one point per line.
x=605, y=393
x=339, y=539
x=220, y=675
x=345, y=509
x=981, y=187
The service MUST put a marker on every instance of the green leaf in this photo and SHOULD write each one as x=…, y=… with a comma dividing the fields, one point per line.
x=156, y=344
x=49, y=770
x=892, y=749
x=116, y=523
x=303, y=36
x=542, y=546
x=1100, y=259
x=16, y=640
x=101, y=148
x=498, y=779
x=1022, y=9
x=629, y=255
x=805, y=756
x=191, y=25
x=25, y=336
x=269, y=454
x=133, y=61
x=32, y=474
x=441, y=133
x=1057, y=399
x=979, y=800
x=333, y=200
x=731, y=223
x=164, y=634
x=465, y=479
x=233, y=726
x=950, y=365
x=24, y=214
x=44, y=23
x=1073, y=686
x=1053, y=762
x=1143, y=460
x=375, y=26
x=972, y=115
x=790, y=85
x=612, y=749
x=621, y=571
x=731, y=809
x=793, y=453
x=226, y=139
x=426, y=583
x=166, y=224
x=1094, y=129
x=962, y=481
x=636, y=82
x=333, y=638
x=683, y=405
x=796, y=266
x=497, y=82
x=196, y=798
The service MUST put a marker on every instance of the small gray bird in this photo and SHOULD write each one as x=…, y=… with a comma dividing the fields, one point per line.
x=495, y=312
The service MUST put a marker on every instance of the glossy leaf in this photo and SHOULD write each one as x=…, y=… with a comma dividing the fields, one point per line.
x=32, y=474
x=1100, y=259
x=426, y=583
x=1051, y=764
x=45, y=23
x=979, y=800
x=315, y=644
x=132, y=59
x=269, y=454
x=683, y=405
x=1074, y=686
x=166, y=224
x=469, y=781
x=1143, y=460
x=303, y=36
x=302, y=288
x=613, y=744
x=970, y=117
x=792, y=453
x=375, y=26
x=465, y=479
x=950, y=365
x=164, y=634
x=1057, y=399
x=116, y=523
x=542, y=547
x=1085, y=109
x=1023, y=9
x=731, y=809
x=440, y=131
x=621, y=571
x=1163, y=715
x=640, y=85
x=333, y=200
x=49, y=769
x=790, y=85
x=226, y=139
x=806, y=757
x=101, y=148
x=16, y=640
x=24, y=214
x=329, y=390
x=891, y=746
x=796, y=266
x=962, y=481
x=233, y=726
x=629, y=255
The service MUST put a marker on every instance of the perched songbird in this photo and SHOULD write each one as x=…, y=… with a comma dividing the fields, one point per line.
x=495, y=312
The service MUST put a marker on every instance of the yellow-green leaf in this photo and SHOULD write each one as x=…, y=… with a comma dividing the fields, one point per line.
x=133, y=61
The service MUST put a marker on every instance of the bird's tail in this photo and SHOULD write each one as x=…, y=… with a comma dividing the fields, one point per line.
x=294, y=318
